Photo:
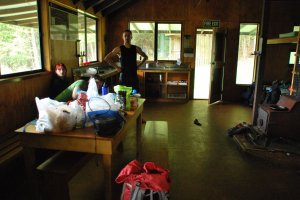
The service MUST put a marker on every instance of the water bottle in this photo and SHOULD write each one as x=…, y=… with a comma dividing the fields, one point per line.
x=104, y=89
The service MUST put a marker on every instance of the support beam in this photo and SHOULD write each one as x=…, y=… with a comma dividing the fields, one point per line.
x=261, y=58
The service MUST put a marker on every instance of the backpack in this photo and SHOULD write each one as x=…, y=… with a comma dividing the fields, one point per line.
x=135, y=192
x=144, y=182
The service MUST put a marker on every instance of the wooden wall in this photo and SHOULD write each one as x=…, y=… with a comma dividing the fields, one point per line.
x=283, y=16
x=17, y=103
x=191, y=13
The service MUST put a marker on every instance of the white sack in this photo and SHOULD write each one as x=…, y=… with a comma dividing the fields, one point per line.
x=54, y=116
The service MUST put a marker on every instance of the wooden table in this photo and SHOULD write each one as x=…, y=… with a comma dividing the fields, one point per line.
x=80, y=140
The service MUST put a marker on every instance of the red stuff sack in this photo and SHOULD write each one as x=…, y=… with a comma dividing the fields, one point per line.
x=150, y=181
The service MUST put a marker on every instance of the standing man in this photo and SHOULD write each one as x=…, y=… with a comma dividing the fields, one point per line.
x=127, y=55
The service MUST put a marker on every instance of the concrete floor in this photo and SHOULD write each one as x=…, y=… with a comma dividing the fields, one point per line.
x=204, y=162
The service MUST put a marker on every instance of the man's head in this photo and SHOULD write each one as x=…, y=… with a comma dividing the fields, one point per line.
x=60, y=70
x=127, y=36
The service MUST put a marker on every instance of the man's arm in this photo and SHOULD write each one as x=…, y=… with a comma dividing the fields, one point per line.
x=109, y=58
x=145, y=57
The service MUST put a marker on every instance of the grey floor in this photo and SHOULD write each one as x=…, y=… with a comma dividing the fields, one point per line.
x=204, y=162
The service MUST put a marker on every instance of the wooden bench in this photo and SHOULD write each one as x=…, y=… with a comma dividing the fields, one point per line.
x=55, y=173
x=155, y=143
x=10, y=147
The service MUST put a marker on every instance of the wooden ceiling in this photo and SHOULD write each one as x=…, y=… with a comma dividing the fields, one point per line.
x=106, y=7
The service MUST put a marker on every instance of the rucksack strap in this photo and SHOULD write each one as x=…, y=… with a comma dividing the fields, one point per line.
x=135, y=191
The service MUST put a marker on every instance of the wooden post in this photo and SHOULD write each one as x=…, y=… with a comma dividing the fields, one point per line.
x=261, y=58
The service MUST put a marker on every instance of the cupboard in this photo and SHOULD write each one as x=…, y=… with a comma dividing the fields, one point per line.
x=165, y=85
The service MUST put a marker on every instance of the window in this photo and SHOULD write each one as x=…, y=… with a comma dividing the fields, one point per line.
x=160, y=41
x=168, y=41
x=293, y=52
x=75, y=25
x=143, y=36
x=87, y=36
x=246, y=59
x=20, y=46
x=63, y=23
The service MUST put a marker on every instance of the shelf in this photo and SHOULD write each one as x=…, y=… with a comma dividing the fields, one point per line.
x=177, y=85
x=283, y=40
x=155, y=84
x=177, y=95
x=166, y=86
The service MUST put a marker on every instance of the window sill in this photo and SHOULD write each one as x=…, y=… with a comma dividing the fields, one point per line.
x=23, y=77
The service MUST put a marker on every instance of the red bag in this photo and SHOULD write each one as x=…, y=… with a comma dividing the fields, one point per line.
x=151, y=177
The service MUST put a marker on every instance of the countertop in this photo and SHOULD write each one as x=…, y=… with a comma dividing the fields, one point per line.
x=102, y=71
x=164, y=68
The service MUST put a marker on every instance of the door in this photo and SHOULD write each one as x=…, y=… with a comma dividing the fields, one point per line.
x=217, y=65
x=203, y=59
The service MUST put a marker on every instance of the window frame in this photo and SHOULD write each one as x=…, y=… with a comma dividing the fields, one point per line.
x=42, y=69
x=85, y=15
x=85, y=35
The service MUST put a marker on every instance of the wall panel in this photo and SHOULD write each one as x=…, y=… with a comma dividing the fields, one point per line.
x=17, y=103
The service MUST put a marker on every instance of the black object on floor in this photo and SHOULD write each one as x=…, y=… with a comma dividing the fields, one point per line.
x=197, y=122
x=238, y=129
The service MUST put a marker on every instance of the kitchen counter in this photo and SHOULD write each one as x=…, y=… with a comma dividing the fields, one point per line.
x=164, y=68
x=104, y=71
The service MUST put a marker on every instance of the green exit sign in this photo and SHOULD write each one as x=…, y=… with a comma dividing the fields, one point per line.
x=211, y=23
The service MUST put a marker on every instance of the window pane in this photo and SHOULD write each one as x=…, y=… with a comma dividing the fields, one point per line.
x=63, y=23
x=81, y=32
x=19, y=38
x=143, y=36
x=91, y=39
x=246, y=61
x=168, y=41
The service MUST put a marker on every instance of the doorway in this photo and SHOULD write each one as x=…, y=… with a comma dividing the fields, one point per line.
x=204, y=40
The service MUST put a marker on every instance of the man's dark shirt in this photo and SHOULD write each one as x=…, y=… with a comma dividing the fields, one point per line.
x=128, y=76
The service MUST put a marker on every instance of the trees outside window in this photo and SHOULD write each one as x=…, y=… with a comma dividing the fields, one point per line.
x=160, y=41
x=20, y=50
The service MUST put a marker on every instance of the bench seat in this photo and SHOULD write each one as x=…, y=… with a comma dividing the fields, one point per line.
x=155, y=143
x=55, y=173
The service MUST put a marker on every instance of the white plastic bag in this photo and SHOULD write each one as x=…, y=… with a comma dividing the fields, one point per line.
x=54, y=116
x=81, y=117
x=92, y=90
x=105, y=102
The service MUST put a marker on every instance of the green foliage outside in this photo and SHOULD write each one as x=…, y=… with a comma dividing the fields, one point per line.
x=19, y=49
x=146, y=42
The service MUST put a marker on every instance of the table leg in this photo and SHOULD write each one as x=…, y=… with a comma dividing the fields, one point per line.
x=138, y=136
x=107, y=164
x=30, y=164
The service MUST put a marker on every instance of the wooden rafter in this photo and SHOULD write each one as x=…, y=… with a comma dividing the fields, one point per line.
x=18, y=17
x=104, y=4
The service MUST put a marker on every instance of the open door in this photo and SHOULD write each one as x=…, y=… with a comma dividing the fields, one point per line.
x=217, y=65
